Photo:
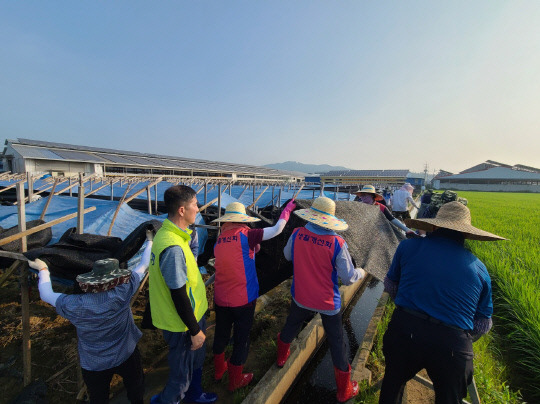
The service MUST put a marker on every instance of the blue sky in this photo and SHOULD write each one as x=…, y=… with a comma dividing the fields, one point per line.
x=363, y=84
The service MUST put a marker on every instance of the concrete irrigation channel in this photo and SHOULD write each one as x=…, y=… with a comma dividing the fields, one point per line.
x=308, y=375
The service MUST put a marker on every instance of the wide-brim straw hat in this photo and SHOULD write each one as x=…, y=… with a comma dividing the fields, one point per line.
x=454, y=216
x=322, y=213
x=369, y=189
x=236, y=212
x=105, y=275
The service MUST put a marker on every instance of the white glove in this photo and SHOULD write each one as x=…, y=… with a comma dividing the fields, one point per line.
x=149, y=235
x=362, y=272
x=37, y=264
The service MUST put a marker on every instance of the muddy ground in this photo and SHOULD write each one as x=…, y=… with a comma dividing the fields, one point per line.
x=54, y=350
x=54, y=347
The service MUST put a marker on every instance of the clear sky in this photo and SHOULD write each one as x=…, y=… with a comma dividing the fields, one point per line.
x=362, y=84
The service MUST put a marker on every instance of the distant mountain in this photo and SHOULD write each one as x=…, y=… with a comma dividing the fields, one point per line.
x=304, y=168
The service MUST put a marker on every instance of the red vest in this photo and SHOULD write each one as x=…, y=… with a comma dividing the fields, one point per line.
x=315, y=280
x=381, y=206
x=236, y=282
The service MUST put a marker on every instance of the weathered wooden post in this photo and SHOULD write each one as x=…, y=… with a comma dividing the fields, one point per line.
x=219, y=200
x=80, y=206
x=23, y=279
x=30, y=182
x=149, y=199
x=155, y=199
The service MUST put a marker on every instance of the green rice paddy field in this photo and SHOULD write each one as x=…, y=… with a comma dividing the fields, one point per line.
x=515, y=272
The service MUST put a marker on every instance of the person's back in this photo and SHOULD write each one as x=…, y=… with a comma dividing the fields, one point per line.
x=399, y=200
x=104, y=323
x=319, y=258
x=443, y=301
x=315, y=277
x=441, y=278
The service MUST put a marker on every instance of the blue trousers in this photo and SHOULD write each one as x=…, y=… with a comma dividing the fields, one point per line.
x=182, y=362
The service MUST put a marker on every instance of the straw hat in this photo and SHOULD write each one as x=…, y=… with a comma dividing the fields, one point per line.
x=322, y=213
x=369, y=189
x=105, y=275
x=454, y=216
x=236, y=212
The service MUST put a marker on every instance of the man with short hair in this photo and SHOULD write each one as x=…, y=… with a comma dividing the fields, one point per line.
x=178, y=300
x=443, y=302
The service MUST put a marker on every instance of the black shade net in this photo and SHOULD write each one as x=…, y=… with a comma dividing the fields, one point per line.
x=35, y=240
x=74, y=254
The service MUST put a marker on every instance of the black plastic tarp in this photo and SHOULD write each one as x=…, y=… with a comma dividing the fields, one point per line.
x=75, y=254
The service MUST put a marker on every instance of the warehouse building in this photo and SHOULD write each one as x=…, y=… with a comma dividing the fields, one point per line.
x=492, y=176
x=356, y=178
x=58, y=159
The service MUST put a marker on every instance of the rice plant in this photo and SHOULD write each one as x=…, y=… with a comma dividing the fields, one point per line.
x=515, y=273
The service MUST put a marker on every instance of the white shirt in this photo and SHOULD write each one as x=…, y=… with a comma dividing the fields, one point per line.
x=400, y=200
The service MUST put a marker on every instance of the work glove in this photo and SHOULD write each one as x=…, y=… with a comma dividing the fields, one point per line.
x=286, y=213
x=37, y=264
x=412, y=234
x=150, y=235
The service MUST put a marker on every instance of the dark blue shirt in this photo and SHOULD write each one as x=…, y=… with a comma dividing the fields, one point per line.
x=439, y=277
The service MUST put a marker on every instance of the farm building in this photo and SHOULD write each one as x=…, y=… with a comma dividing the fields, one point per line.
x=491, y=176
x=378, y=178
x=33, y=156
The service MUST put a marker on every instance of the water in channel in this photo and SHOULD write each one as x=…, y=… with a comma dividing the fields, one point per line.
x=317, y=384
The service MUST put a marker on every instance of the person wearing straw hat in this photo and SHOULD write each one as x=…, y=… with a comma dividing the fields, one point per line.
x=107, y=334
x=443, y=302
x=400, y=201
x=368, y=195
x=236, y=287
x=319, y=257
x=178, y=301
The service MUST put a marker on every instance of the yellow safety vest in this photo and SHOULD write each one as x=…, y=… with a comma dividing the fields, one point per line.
x=164, y=314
